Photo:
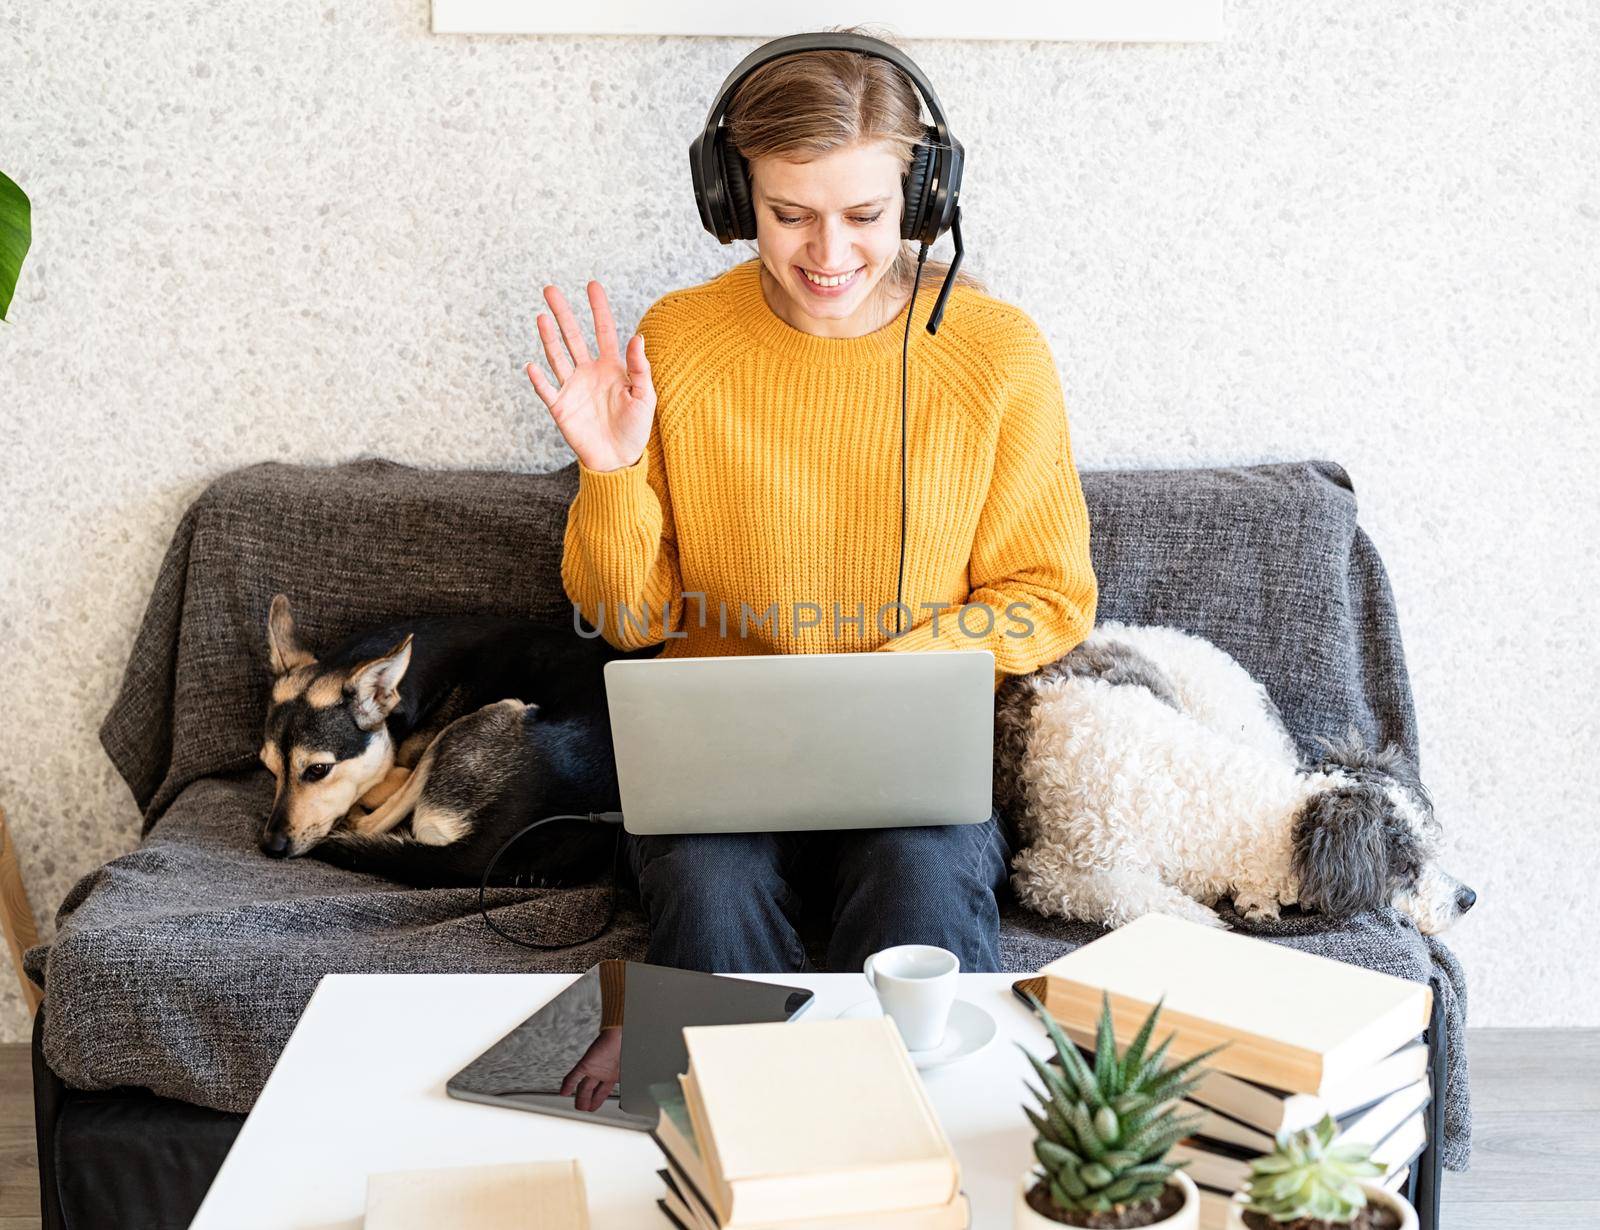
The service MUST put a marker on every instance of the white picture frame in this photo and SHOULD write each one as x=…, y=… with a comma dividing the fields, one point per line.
x=1055, y=20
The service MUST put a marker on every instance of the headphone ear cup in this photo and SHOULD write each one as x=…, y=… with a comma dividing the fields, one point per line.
x=736, y=182
x=915, y=186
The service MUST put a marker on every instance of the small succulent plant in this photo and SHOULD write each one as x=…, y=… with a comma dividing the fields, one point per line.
x=1308, y=1177
x=1104, y=1132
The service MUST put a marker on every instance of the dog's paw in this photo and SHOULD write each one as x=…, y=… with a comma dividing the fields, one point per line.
x=1173, y=904
x=359, y=823
x=1195, y=912
x=392, y=781
x=1170, y=902
x=1253, y=907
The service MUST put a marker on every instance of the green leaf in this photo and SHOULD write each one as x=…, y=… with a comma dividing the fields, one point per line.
x=1077, y=1070
x=1185, y=1073
x=1155, y=1147
x=1065, y=1133
x=1105, y=1046
x=1083, y=1126
x=1054, y=1081
x=1150, y=1172
x=1134, y=1055
x=1054, y=1158
x=1153, y=1064
x=1133, y=1124
x=16, y=235
x=1067, y=1189
x=1041, y=1125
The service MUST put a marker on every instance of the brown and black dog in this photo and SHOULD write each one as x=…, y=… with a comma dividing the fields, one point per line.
x=414, y=751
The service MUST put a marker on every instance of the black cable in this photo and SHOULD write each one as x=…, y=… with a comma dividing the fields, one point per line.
x=905, y=349
x=611, y=898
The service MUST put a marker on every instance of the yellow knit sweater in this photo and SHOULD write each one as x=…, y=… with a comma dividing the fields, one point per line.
x=764, y=515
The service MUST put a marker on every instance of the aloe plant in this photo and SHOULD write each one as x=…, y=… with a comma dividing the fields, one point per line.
x=1104, y=1132
x=16, y=233
x=1308, y=1176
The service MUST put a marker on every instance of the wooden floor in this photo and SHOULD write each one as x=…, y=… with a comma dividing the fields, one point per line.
x=1536, y=1132
x=19, y=1170
x=1536, y=1152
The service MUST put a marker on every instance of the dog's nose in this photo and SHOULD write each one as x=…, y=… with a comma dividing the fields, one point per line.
x=1465, y=899
x=276, y=845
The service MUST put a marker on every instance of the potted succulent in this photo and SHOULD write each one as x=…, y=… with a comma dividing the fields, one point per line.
x=1309, y=1183
x=1104, y=1132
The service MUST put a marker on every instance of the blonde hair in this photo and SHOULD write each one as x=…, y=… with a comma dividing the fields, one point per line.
x=814, y=102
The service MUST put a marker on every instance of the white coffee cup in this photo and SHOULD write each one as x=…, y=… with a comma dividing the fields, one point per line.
x=915, y=984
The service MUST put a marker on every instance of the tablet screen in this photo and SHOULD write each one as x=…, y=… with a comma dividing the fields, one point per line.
x=594, y=1050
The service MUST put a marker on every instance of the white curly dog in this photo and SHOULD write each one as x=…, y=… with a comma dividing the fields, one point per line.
x=1148, y=772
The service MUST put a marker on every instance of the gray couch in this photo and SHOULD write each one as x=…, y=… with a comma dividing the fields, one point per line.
x=181, y=968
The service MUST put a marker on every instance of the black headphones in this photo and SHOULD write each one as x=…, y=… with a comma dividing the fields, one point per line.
x=932, y=183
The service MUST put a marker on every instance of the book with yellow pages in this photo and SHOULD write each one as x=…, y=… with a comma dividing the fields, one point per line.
x=815, y=1120
x=518, y=1196
x=1370, y=1124
x=674, y=1136
x=1293, y=1020
x=688, y=1183
x=1267, y=1111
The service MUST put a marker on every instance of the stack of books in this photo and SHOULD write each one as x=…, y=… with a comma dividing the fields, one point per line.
x=1305, y=1036
x=820, y=1124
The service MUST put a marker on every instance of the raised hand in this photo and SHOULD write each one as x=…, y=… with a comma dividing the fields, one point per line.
x=602, y=405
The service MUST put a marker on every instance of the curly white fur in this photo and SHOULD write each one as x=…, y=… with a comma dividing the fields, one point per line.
x=1128, y=805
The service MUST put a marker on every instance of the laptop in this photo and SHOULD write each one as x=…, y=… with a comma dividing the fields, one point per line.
x=803, y=741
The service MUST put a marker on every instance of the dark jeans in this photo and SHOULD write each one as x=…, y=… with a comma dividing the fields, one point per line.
x=731, y=902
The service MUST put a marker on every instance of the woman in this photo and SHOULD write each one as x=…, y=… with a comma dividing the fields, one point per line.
x=739, y=492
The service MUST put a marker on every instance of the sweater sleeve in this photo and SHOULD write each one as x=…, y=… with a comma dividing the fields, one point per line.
x=619, y=559
x=613, y=991
x=1030, y=553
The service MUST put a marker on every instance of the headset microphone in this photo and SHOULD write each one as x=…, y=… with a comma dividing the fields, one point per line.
x=931, y=184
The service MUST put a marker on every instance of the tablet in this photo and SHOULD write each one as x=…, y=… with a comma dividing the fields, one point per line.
x=615, y=1032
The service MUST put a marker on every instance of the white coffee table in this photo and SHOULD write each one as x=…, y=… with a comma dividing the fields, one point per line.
x=360, y=1088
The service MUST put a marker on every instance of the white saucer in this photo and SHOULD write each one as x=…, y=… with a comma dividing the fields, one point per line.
x=969, y=1030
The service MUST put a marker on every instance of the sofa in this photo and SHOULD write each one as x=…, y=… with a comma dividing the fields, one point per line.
x=178, y=970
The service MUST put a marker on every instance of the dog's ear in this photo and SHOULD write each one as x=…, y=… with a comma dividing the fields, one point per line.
x=283, y=646
x=374, y=686
x=1341, y=851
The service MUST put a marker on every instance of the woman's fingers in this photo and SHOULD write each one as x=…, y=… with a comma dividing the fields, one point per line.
x=555, y=353
x=548, y=393
x=638, y=367
x=605, y=328
x=570, y=331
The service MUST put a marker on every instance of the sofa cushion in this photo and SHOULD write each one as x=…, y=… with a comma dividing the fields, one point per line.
x=183, y=966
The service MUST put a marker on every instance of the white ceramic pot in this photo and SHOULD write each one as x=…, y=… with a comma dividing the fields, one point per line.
x=1375, y=1195
x=1186, y=1218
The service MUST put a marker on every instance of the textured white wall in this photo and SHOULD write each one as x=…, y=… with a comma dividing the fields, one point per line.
x=1360, y=229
